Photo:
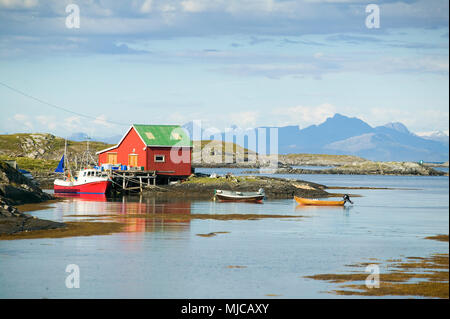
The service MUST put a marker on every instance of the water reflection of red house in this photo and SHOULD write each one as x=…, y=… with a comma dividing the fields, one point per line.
x=138, y=214
x=155, y=215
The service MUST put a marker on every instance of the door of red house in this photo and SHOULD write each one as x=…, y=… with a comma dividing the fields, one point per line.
x=132, y=160
x=112, y=158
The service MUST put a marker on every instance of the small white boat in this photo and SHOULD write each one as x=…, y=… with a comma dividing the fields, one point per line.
x=232, y=196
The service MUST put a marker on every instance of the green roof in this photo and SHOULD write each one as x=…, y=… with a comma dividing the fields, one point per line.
x=163, y=135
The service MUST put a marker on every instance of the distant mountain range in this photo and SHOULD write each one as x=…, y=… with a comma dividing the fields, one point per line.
x=81, y=136
x=342, y=135
x=435, y=136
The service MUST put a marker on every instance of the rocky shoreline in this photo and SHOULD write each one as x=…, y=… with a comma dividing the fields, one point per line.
x=203, y=187
x=12, y=221
x=319, y=159
x=366, y=168
x=45, y=179
x=340, y=164
x=15, y=189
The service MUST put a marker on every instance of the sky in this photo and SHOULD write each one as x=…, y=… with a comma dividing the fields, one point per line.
x=225, y=62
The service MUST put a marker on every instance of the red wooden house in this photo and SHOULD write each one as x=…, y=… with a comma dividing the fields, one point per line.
x=165, y=149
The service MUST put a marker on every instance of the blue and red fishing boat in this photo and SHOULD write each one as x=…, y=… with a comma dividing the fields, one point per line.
x=88, y=180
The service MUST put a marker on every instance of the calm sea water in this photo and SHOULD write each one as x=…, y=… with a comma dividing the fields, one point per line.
x=443, y=169
x=312, y=167
x=166, y=259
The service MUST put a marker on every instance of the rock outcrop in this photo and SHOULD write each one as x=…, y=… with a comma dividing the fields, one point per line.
x=367, y=168
x=319, y=159
x=16, y=189
x=12, y=221
x=203, y=187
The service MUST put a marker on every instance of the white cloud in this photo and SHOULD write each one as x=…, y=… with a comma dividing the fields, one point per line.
x=102, y=120
x=14, y=4
x=48, y=121
x=274, y=71
x=24, y=120
x=419, y=120
x=20, y=117
x=433, y=133
x=318, y=55
x=245, y=119
x=72, y=122
x=230, y=6
x=303, y=115
x=422, y=64
x=146, y=6
x=193, y=6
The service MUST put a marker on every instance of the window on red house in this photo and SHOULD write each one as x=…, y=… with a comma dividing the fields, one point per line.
x=160, y=158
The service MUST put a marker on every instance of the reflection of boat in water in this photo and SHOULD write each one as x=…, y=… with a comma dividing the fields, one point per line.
x=231, y=196
x=137, y=214
x=83, y=197
x=317, y=202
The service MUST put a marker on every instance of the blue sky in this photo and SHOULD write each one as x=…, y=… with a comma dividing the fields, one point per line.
x=248, y=62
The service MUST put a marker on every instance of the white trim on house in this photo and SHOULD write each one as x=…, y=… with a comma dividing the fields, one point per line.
x=143, y=142
x=106, y=149
x=121, y=140
x=115, y=146
x=159, y=161
x=146, y=145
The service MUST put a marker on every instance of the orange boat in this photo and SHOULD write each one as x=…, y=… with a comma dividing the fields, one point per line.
x=316, y=202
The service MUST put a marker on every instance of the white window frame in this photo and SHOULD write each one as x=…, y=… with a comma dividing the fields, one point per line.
x=159, y=161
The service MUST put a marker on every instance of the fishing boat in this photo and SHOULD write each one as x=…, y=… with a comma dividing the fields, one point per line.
x=317, y=202
x=88, y=180
x=232, y=196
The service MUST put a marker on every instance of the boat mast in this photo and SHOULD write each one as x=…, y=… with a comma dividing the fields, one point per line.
x=65, y=156
x=87, y=156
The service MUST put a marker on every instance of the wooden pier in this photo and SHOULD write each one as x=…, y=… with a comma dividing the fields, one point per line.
x=132, y=180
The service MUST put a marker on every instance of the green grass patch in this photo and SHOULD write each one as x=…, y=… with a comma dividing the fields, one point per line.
x=209, y=180
x=34, y=165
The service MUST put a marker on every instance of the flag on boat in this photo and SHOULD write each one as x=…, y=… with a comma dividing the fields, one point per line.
x=60, y=168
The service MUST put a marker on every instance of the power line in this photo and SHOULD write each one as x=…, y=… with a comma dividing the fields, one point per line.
x=56, y=106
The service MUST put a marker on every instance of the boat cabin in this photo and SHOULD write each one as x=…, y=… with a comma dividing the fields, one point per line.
x=91, y=173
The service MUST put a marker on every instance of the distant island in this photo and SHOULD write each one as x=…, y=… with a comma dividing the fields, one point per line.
x=342, y=135
x=39, y=153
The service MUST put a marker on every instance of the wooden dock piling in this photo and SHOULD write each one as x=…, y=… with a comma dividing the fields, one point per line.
x=129, y=180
